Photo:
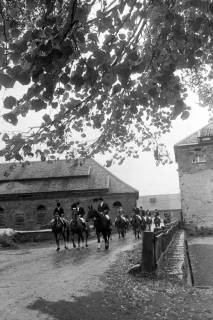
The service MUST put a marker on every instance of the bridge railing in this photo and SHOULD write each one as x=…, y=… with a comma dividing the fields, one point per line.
x=155, y=245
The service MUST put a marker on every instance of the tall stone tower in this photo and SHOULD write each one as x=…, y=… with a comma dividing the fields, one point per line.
x=194, y=156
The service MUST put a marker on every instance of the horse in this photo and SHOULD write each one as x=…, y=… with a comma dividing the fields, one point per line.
x=166, y=220
x=77, y=226
x=157, y=222
x=137, y=225
x=60, y=228
x=121, y=226
x=102, y=226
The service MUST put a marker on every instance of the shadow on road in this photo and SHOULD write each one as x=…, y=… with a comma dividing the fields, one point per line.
x=95, y=306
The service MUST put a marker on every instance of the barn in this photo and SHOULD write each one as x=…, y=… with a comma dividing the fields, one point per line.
x=29, y=191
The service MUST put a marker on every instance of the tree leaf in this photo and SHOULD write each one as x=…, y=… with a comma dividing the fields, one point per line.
x=6, y=81
x=23, y=78
x=9, y=102
x=11, y=118
x=185, y=114
x=38, y=104
x=18, y=157
x=47, y=118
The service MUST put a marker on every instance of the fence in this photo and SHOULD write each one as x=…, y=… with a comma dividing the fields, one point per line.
x=155, y=245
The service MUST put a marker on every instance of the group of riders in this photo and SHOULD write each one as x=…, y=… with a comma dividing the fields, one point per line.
x=140, y=220
x=145, y=217
x=78, y=210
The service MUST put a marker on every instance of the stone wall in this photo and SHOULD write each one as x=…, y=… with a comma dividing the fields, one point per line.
x=33, y=213
x=196, y=185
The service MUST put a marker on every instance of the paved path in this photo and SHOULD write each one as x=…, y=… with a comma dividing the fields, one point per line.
x=30, y=276
x=174, y=258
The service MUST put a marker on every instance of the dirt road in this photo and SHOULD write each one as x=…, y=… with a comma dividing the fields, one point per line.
x=31, y=275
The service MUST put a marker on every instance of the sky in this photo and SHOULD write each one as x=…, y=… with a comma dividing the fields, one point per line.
x=149, y=179
x=142, y=173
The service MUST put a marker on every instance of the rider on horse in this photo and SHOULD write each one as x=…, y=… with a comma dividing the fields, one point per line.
x=120, y=211
x=157, y=220
x=136, y=212
x=103, y=208
x=79, y=211
x=60, y=212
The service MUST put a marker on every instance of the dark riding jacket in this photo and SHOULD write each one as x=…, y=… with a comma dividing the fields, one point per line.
x=103, y=207
x=58, y=210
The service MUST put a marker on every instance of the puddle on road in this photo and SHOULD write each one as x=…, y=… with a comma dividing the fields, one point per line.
x=70, y=256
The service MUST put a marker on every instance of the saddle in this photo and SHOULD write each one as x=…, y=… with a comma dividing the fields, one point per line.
x=81, y=219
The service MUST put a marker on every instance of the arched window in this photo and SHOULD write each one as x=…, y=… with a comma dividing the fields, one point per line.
x=2, y=218
x=41, y=207
x=41, y=215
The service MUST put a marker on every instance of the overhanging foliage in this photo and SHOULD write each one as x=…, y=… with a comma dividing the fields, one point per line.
x=114, y=66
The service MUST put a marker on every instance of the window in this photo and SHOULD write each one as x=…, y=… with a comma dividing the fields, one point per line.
x=41, y=207
x=152, y=200
x=204, y=139
x=199, y=158
x=2, y=218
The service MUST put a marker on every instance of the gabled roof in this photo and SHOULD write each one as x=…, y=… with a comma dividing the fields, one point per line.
x=60, y=176
x=160, y=202
x=206, y=131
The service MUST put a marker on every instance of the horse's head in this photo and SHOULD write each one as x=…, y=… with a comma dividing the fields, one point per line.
x=75, y=216
x=56, y=223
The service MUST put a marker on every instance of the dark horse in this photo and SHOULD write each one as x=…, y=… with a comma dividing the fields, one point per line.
x=77, y=226
x=102, y=226
x=157, y=221
x=121, y=226
x=60, y=228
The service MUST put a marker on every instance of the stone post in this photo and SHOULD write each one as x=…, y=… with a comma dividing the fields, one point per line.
x=148, y=252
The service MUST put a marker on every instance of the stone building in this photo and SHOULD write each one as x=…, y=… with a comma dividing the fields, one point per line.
x=28, y=193
x=194, y=156
x=169, y=204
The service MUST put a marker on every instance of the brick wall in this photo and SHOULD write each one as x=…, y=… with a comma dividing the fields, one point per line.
x=196, y=185
x=32, y=214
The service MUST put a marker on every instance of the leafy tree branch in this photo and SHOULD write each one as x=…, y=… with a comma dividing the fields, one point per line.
x=112, y=66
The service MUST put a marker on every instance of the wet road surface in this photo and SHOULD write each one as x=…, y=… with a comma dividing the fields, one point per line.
x=29, y=275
